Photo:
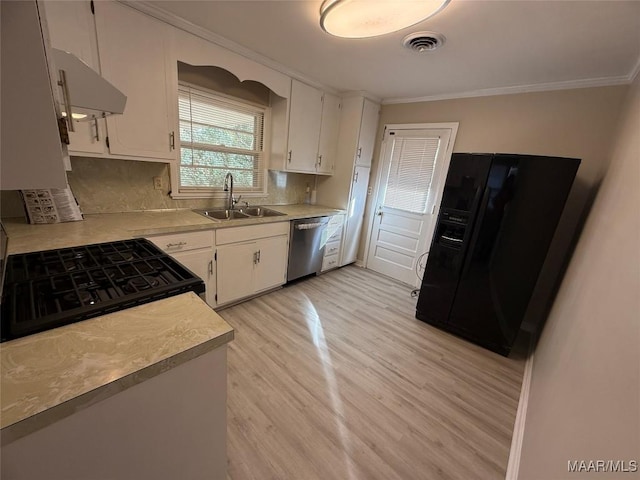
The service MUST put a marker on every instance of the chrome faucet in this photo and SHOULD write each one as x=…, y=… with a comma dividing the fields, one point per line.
x=228, y=187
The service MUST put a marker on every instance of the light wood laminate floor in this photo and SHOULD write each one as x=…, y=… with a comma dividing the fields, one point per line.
x=334, y=378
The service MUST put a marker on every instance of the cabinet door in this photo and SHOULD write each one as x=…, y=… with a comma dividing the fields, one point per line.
x=72, y=29
x=357, y=200
x=367, y=137
x=200, y=262
x=304, y=127
x=329, y=129
x=271, y=269
x=234, y=269
x=135, y=57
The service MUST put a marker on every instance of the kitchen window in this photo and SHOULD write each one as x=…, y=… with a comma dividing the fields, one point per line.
x=218, y=135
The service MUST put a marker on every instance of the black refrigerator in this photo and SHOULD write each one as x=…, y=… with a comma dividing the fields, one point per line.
x=497, y=218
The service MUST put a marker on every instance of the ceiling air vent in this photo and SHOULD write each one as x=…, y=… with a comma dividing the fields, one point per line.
x=422, y=42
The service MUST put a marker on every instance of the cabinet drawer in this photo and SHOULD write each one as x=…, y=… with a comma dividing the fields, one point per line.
x=336, y=221
x=334, y=228
x=329, y=262
x=180, y=242
x=251, y=232
x=332, y=248
x=335, y=235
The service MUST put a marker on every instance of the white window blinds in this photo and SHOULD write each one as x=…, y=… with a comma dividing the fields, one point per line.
x=410, y=173
x=219, y=135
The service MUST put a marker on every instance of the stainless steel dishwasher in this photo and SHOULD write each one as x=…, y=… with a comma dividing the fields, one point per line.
x=306, y=246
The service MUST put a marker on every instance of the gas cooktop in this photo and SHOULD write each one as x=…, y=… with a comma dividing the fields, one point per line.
x=48, y=289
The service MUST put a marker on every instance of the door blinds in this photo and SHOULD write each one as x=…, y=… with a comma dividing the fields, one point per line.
x=410, y=173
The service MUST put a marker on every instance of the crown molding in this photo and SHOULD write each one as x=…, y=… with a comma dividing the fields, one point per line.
x=540, y=87
x=223, y=42
x=360, y=93
x=208, y=35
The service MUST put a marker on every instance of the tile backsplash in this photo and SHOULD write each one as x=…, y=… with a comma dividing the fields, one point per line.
x=104, y=185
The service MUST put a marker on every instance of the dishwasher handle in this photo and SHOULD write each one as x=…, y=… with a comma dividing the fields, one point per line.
x=308, y=226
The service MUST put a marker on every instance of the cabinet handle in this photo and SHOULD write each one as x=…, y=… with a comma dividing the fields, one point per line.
x=95, y=123
x=359, y=154
x=67, y=98
x=289, y=157
x=210, y=267
x=255, y=257
x=172, y=141
x=319, y=160
x=179, y=244
x=258, y=256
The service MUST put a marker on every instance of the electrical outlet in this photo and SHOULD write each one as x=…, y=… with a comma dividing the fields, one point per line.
x=369, y=190
x=157, y=183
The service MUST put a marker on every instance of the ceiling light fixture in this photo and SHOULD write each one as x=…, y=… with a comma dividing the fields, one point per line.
x=370, y=18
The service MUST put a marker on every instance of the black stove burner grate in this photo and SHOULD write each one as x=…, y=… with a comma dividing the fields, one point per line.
x=48, y=289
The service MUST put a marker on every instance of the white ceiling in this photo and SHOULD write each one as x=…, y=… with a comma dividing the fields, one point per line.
x=492, y=46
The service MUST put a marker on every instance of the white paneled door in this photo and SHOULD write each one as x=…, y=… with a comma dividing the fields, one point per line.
x=414, y=163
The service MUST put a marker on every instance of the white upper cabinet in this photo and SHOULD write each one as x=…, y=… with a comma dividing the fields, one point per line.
x=72, y=29
x=367, y=136
x=358, y=130
x=305, y=130
x=328, y=134
x=305, y=114
x=135, y=56
x=31, y=150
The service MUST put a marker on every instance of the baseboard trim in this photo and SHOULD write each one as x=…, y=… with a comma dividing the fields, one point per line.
x=518, y=427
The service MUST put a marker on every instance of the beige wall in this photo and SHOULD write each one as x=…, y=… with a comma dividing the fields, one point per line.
x=578, y=123
x=584, y=401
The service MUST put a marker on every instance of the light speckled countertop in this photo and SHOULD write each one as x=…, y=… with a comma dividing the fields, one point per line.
x=50, y=375
x=109, y=227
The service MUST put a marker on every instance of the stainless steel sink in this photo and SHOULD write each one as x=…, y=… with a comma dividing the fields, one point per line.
x=222, y=214
x=261, y=212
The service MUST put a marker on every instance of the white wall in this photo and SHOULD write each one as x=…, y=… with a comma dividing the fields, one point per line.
x=584, y=400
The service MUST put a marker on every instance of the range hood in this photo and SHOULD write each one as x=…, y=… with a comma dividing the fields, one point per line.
x=86, y=94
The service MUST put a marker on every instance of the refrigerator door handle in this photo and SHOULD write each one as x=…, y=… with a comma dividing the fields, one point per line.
x=475, y=232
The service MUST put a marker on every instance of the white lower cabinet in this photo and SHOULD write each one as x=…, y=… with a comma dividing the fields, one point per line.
x=271, y=268
x=235, y=264
x=333, y=246
x=250, y=260
x=194, y=250
x=246, y=260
